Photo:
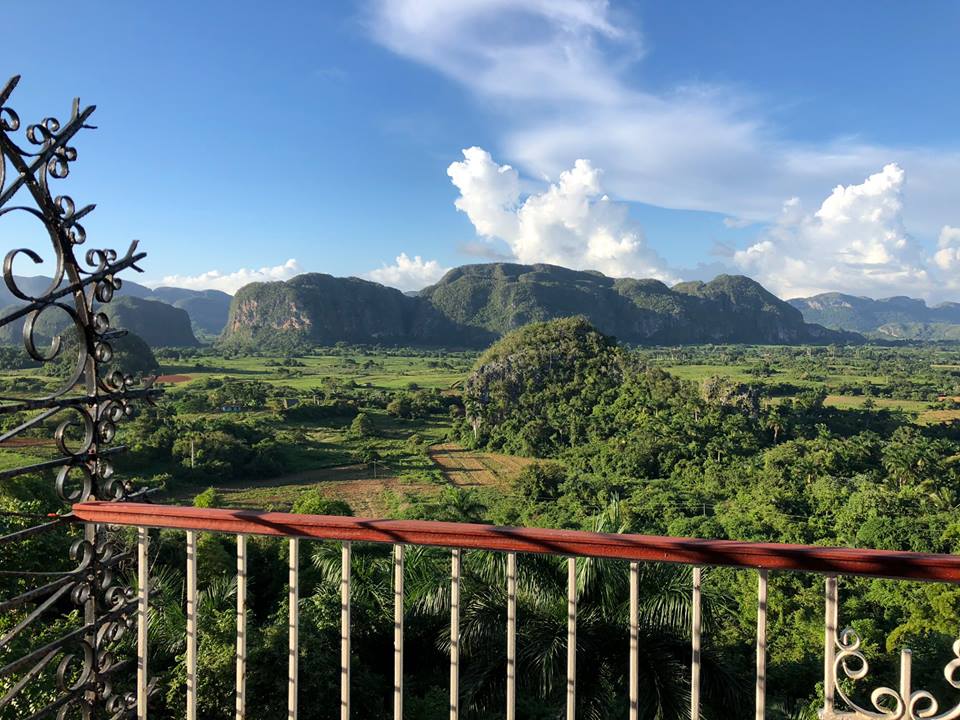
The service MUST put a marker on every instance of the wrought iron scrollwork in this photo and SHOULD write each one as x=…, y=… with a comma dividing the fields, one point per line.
x=846, y=661
x=85, y=409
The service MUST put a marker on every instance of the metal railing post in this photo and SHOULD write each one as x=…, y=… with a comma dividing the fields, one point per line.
x=293, y=645
x=398, y=552
x=571, y=638
x=829, y=646
x=695, y=630
x=191, y=625
x=511, y=636
x=761, y=689
x=241, y=683
x=143, y=610
x=634, y=640
x=455, y=634
x=345, y=631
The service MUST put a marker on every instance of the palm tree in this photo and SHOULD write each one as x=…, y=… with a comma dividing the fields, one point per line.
x=216, y=602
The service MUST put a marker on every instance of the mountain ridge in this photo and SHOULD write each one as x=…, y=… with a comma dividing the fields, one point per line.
x=154, y=322
x=898, y=317
x=207, y=309
x=474, y=304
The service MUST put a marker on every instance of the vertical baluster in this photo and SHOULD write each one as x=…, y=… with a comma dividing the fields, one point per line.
x=695, y=647
x=455, y=634
x=191, y=625
x=829, y=648
x=398, y=632
x=634, y=640
x=571, y=638
x=293, y=647
x=761, y=706
x=345, y=632
x=241, y=692
x=906, y=680
x=143, y=608
x=511, y=636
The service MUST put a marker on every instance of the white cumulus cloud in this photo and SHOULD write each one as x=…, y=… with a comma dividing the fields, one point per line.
x=562, y=75
x=408, y=273
x=947, y=256
x=571, y=223
x=855, y=242
x=230, y=282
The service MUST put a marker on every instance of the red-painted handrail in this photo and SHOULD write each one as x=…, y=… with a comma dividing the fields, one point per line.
x=650, y=548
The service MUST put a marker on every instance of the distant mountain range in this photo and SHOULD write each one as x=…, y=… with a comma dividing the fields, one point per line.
x=208, y=309
x=156, y=323
x=893, y=318
x=164, y=316
x=474, y=304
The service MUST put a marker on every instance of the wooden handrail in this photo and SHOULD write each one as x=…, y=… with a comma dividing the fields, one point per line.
x=648, y=548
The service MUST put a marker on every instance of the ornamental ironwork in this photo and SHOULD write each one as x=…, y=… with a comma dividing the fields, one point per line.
x=845, y=663
x=65, y=327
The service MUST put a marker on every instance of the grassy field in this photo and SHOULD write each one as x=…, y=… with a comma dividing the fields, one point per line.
x=385, y=372
x=700, y=372
x=858, y=402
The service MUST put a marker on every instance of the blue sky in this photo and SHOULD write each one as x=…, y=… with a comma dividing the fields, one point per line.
x=811, y=145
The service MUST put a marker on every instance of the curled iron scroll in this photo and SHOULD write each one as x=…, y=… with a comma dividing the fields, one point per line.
x=87, y=406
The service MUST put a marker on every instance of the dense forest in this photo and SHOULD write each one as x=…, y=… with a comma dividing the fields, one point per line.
x=616, y=442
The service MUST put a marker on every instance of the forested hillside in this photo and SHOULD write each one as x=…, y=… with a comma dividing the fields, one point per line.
x=718, y=459
x=157, y=323
x=474, y=304
x=320, y=309
x=207, y=309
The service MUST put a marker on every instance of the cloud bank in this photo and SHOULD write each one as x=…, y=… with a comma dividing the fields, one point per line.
x=408, y=273
x=855, y=242
x=558, y=72
x=230, y=282
x=571, y=223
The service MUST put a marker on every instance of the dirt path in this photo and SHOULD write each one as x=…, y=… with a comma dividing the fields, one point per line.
x=173, y=379
x=28, y=442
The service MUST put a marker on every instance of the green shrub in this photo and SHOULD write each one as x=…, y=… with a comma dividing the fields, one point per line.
x=209, y=498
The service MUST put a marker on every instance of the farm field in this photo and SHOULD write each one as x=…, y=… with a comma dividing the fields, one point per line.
x=846, y=402
x=740, y=373
x=371, y=489
x=469, y=468
x=373, y=370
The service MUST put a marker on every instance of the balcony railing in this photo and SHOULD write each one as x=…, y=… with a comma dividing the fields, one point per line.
x=842, y=656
